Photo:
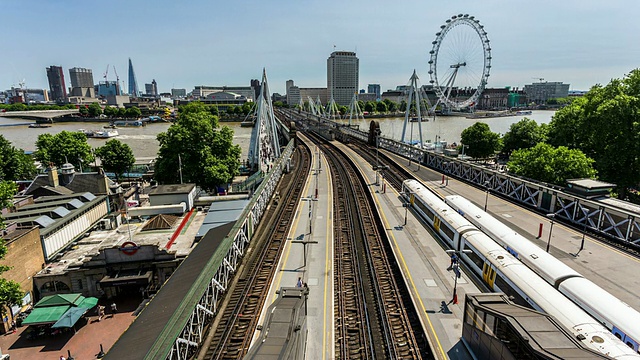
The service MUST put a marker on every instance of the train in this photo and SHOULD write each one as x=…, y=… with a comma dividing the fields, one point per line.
x=502, y=272
x=620, y=318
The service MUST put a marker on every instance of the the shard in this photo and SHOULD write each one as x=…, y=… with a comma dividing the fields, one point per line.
x=133, y=83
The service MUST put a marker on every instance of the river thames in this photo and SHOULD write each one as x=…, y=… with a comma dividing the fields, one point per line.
x=143, y=142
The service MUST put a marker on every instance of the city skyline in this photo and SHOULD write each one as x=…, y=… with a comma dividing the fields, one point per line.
x=203, y=43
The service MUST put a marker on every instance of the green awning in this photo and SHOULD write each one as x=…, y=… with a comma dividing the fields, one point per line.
x=88, y=303
x=59, y=299
x=70, y=317
x=45, y=315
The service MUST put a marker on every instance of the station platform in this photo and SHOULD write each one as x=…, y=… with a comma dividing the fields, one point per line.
x=308, y=257
x=610, y=268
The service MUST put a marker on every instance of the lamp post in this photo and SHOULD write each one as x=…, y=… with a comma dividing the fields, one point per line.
x=455, y=266
x=486, y=197
x=584, y=230
x=550, y=216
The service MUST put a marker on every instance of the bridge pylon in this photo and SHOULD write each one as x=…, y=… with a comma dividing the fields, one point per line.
x=417, y=108
x=264, y=147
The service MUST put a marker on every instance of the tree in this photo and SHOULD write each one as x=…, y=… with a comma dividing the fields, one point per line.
x=208, y=156
x=14, y=163
x=116, y=157
x=403, y=105
x=391, y=106
x=95, y=110
x=605, y=125
x=133, y=112
x=83, y=111
x=522, y=135
x=480, y=140
x=552, y=165
x=381, y=107
x=369, y=106
x=10, y=292
x=66, y=146
x=110, y=111
x=122, y=112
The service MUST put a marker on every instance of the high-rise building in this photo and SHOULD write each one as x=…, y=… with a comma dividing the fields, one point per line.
x=374, y=89
x=542, y=91
x=255, y=84
x=56, y=84
x=81, y=82
x=342, y=76
x=289, y=84
x=178, y=93
x=151, y=89
x=133, y=83
x=81, y=77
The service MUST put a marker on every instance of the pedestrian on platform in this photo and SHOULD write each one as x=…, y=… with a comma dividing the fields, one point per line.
x=100, y=312
x=62, y=357
x=299, y=284
x=114, y=308
x=454, y=260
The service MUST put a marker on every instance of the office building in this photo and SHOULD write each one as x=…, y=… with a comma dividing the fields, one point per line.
x=81, y=82
x=178, y=93
x=255, y=84
x=151, y=89
x=540, y=92
x=315, y=94
x=293, y=93
x=57, y=87
x=342, y=76
x=201, y=92
x=374, y=89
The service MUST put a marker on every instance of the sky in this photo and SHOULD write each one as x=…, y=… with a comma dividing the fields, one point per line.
x=182, y=44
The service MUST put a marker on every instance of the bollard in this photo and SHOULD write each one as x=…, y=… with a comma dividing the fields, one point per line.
x=539, y=232
x=101, y=353
x=442, y=179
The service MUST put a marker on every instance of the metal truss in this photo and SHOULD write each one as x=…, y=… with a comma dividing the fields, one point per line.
x=192, y=335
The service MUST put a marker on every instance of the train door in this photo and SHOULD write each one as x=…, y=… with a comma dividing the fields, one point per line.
x=488, y=274
x=436, y=224
x=625, y=339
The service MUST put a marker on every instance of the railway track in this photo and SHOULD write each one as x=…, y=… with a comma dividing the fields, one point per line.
x=236, y=322
x=373, y=321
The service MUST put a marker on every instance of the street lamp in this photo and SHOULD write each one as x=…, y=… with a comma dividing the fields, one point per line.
x=455, y=266
x=486, y=197
x=550, y=216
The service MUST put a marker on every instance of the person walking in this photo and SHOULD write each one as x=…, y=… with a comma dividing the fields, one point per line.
x=454, y=260
x=100, y=312
x=114, y=308
x=299, y=284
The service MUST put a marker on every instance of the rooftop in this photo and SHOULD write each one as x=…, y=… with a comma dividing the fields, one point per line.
x=172, y=189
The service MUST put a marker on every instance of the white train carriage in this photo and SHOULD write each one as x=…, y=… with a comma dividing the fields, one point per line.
x=616, y=315
x=544, y=264
x=502, y=272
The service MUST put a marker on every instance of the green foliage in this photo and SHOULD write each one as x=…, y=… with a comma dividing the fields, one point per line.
x=83, y=111
x=14, y=163
x=122, y=112
x=391, y=106
x=381, y=107
x=209, y=157
x=116, y=157
x=552, y=165
x=524, y=134
x=481, y=141
x=403, y=106
x=63, y=147
x=110, y=111
x=133, y=112
x=370, y=106
x=95, y=110
x=605, y=125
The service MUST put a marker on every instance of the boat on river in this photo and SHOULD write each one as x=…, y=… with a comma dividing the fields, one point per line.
x=524, y=112
x=39, y=126
x=100, y=134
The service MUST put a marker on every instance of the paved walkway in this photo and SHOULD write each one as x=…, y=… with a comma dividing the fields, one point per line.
x=84, y=344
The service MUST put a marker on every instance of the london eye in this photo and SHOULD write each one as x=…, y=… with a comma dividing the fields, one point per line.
x=459, y=63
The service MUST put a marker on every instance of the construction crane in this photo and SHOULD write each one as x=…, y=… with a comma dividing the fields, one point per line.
x=106, y=73
x=117, y=80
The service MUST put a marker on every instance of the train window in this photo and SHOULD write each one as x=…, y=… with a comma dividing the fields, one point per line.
x=510, y=291
x=474, y=258
x=447, y=231
x=425, y=210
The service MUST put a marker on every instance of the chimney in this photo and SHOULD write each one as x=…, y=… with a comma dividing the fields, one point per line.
x=53, y=176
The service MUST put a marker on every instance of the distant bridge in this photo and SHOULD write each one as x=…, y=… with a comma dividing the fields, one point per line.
x=39, y=115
